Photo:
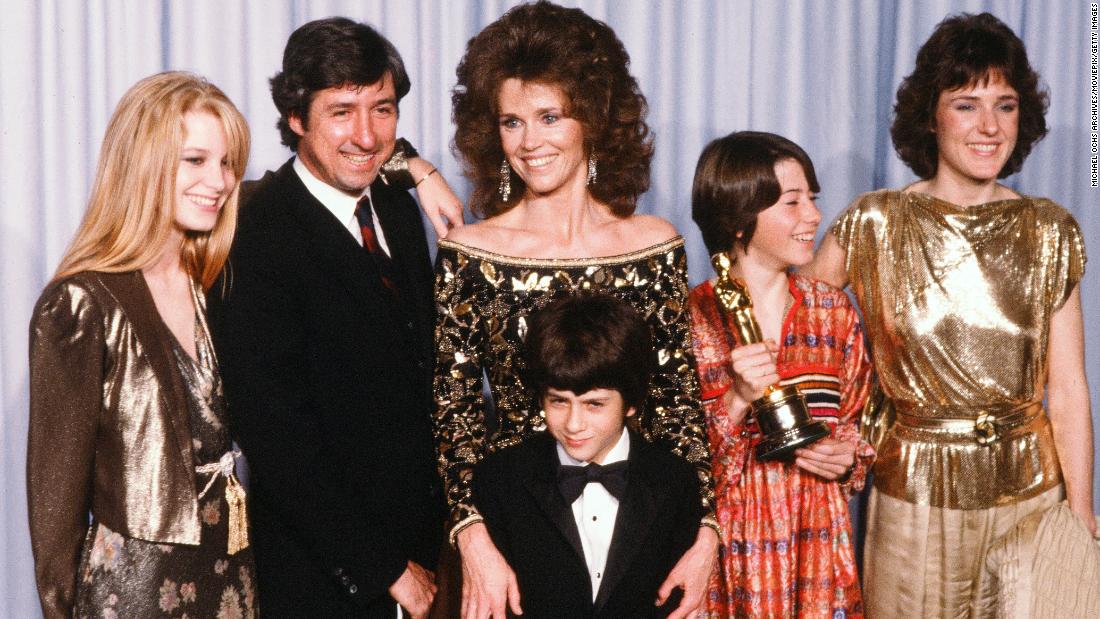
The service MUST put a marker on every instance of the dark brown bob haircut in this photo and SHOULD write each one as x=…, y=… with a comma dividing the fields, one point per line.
x=965, y=50
x=330, y=53
x=589, y=341
x=552, y=45
x=735, y=180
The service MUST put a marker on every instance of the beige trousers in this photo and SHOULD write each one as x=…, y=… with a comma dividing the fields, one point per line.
x=923, y=561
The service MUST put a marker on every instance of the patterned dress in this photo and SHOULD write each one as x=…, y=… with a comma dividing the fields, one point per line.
x=127, y=577
x=483, y=301
x=787, y=548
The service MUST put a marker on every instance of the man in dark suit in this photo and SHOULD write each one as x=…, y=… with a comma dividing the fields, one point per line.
x=590, y=516
x=323, y=329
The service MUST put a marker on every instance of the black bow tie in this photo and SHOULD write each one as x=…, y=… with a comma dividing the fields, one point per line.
x=573, y=479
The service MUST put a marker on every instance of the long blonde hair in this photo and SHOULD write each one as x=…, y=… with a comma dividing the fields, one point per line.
x=131, y=211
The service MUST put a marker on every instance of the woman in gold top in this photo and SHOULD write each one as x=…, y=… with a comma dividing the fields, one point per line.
x=551, y=126
x=971, y=300
x=127, y=417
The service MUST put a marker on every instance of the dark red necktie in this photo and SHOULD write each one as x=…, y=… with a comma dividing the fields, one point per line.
x=370, y=243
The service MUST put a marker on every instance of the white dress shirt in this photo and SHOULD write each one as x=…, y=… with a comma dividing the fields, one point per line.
x=341, y=205
x=595, y=511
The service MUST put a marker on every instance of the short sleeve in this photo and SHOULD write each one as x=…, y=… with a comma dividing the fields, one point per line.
x=1072, y=258
x=846, y=223
x=859, y=228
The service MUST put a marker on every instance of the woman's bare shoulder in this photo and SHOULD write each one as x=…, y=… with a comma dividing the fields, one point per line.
x=647, y=230
x=492, y=235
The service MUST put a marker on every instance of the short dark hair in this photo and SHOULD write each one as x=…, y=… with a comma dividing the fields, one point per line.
x=589, y=341
x=735, y=180
x=555, y=46
x=327, y=53
x=965, y=50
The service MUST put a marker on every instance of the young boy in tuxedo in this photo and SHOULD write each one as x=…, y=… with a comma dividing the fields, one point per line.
x=589, y=515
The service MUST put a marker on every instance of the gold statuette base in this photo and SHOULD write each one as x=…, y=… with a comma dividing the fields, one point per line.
x=785, y=423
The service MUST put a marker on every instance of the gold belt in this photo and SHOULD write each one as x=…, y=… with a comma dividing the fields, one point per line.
x=985, y=428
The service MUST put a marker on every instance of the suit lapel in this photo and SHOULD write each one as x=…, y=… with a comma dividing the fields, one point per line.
x=543, y=486
x=400, y=220
x=132, y=294
x=393, y=229
x=636, y=513
x=348, y=262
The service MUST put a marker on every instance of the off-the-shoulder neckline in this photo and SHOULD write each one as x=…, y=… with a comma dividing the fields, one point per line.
x=659, y=248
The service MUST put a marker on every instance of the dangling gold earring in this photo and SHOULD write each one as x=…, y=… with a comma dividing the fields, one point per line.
x=591, y=170
x=505, y=187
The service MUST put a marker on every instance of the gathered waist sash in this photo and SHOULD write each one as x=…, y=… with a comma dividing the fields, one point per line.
x=967, y=459
x=988, y=426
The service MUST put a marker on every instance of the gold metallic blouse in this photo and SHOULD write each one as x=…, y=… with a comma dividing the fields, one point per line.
x=483, y=301
x=109, y=426
x=957, y=303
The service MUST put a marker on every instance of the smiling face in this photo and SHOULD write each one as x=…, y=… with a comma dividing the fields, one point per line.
x=785, y=231
x=976, y=128
x=543, y=145
x=204, y=178
x=349, y=135
x=588, y=425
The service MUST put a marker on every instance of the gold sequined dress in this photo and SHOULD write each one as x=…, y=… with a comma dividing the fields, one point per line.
x=957, y=304
x=483, y=300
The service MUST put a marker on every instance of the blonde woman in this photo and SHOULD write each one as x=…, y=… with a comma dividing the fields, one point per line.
x=134, y=509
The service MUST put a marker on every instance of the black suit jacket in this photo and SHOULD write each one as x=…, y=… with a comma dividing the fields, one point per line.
x=328, y=382
x=516, y=492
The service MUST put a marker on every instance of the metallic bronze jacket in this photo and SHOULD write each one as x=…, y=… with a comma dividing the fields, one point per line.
x=109, y=427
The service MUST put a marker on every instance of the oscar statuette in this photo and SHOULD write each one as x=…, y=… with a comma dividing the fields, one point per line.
x=781, y=413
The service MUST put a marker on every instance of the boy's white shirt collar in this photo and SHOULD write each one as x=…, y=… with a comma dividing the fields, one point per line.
x=594, y=513
x=619, y=452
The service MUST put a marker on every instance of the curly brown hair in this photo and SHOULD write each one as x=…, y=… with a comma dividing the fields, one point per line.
x=553, y=45
x=965, y=50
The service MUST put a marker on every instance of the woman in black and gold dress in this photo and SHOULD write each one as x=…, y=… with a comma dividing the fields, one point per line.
x=127, y=418
x=551, y=126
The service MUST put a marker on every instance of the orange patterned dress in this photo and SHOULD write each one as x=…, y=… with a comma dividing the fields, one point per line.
x=787, y=547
